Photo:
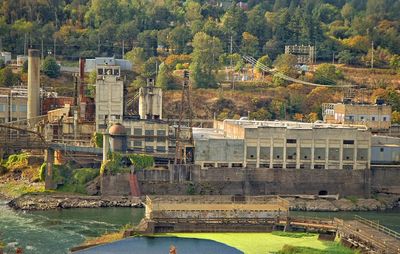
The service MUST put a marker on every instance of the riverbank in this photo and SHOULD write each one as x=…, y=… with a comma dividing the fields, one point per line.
x=64, y=201
x=47, y=201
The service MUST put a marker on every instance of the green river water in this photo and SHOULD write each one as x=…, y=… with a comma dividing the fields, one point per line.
x=54, y=232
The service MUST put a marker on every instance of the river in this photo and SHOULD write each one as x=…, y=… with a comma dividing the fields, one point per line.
x=46, y=232
x=54, y=232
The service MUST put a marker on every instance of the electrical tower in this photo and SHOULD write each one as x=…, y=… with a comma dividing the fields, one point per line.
x=184, y=145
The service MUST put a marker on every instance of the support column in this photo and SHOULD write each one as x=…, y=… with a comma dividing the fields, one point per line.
x=106, y=146
x=327, y=154
x=341, y=155
x=49, y=184
x=298, y=141
x=271, y=153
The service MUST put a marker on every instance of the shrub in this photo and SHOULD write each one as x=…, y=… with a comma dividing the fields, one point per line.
x=84, y=175
x=327, y=74
x=51, y=68
x=42, y=172
x=97, y=139
x=141, y=161
x=16, y=161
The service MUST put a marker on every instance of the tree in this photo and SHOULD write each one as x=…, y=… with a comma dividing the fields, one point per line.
x=50, y=67
x=286, y=64
x=164, y=79
x=249, y=44
x=263, y=61
x=137, y=57
x=8, y=78
x=395, y=62
x=396, y=117
x=206, y=51
x=178, y=39
x=327, y=74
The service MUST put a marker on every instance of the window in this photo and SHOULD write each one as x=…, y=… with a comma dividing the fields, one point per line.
x=14, y=107
x=137, y=143
x=291, y=141
x=319, y=153
x=348, y=142
x=382, y=149
x=160, y=135
x=137, y=132
x=278, y=152
x=149, y=149
x=100, y=71
x=237, y=165
x=149, y=133
x=161, y=149
x=373, y=118
x=334, y=154
x=362, y=154
x=305, y=153
x=348, y=154
x=291, y=153
x=251, y=152
x=2, y=107
x=384, y=118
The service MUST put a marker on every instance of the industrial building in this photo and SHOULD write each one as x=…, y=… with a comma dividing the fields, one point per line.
x=92, y=64
x=276, y=144
x=376, y=117
x=146, y=131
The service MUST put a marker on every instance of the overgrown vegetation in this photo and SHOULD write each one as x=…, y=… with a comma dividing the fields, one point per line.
x=333, y=249
x=15, y=161
x=97, y=139
x=292, y=234
x=118, y=163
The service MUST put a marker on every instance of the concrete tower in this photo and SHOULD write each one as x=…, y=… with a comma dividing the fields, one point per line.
x=150, y=101
x=33, y=83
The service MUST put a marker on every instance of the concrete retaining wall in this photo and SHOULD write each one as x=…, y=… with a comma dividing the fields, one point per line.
x=183, y=180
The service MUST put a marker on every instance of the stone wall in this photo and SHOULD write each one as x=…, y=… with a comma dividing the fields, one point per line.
x=183, y=180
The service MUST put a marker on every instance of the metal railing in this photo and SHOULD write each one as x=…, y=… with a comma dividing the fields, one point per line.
x=377, y=226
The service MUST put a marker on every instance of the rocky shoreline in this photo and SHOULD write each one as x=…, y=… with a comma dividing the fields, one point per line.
x=343, y=204
x=65, y=201
x=48, y=201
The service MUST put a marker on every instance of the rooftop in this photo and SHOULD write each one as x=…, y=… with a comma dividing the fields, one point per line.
x=292, y=125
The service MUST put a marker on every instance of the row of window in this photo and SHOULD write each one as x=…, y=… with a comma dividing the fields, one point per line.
x=267, y=165
x=345, y=142
x=305, y=153
x=367, y=118
x=14, y=108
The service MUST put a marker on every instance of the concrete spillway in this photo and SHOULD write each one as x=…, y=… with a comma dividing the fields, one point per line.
x=33, y=83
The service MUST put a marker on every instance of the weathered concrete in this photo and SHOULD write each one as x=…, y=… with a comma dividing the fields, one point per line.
x=182, y=180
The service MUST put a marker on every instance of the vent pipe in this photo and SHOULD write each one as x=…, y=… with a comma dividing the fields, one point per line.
x=33, y=83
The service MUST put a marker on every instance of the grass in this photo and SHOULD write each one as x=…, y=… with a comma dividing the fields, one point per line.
x=15, y=189
x=256, y=243
x=332, y=249
x=106, y=238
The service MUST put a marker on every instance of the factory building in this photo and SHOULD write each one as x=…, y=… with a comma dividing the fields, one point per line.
x=376, y=117
x=146, y=131
x=13, y=104
x=109, y=96
x=93, y=64
x=287, y=145
x=385, y=150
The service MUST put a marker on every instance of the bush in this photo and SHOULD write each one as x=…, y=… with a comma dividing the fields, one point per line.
x=51, y=68
x=97, y=139
x=84, y=175
x=42, y=172
x=16, y=161
x=141, y=161
x=327, y=74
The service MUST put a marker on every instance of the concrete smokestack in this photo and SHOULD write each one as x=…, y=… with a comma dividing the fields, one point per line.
x=33, y=83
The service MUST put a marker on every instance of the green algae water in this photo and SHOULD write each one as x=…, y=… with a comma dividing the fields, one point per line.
x=45, y=232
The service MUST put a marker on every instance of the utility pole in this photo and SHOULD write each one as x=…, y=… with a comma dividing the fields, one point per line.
x=42, y=49
x=333, y=58
x=123, y=49
x=233, y=76
x=372, y=55
x=54, y=42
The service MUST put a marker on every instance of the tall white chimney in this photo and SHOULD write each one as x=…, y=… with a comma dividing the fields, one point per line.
x=33, y=83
